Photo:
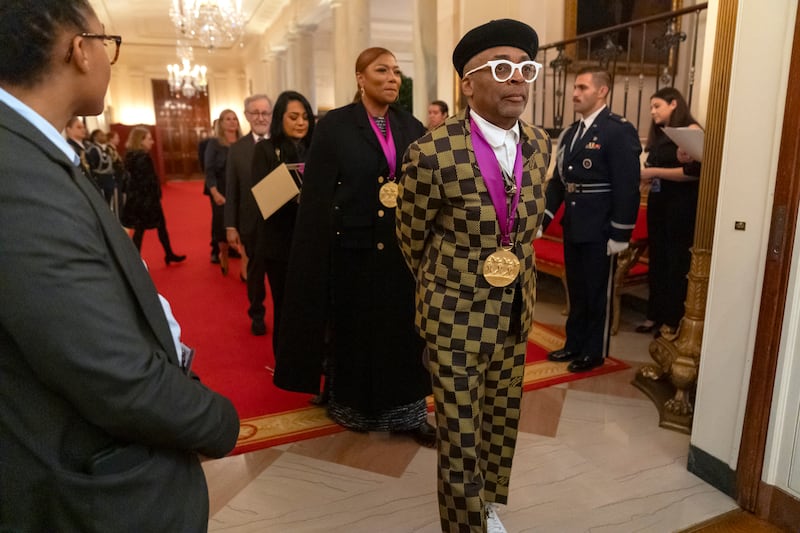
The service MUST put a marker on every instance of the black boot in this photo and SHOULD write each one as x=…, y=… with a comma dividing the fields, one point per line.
x=173, y=258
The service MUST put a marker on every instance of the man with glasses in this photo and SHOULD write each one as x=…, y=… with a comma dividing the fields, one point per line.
x=471, y=199
x=243, y=221
x=101, y=421
x=597, y=179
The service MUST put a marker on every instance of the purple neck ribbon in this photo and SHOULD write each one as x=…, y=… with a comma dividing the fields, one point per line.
x=387, y=144
x=505, y=203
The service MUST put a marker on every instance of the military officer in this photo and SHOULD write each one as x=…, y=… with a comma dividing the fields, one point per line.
x=597, y=178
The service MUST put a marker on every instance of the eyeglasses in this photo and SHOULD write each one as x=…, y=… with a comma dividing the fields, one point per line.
x=260, y=114
x=113, y=53
x=503, y=70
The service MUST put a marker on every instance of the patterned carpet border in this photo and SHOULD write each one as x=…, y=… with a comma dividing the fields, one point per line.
x=309, y=422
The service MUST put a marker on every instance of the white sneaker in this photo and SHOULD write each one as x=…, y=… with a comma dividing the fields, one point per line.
x=493, y=523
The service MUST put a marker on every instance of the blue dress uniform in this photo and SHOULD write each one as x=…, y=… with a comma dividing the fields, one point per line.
x=598, y=181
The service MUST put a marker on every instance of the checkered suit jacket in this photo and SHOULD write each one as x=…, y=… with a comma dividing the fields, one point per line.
x=447, y=227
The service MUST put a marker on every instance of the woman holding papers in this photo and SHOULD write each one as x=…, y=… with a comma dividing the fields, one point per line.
x=671, y=211
x=349, y=294
x=289, y=138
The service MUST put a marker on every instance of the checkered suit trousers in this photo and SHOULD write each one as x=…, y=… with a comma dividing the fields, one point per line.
x=477, y=400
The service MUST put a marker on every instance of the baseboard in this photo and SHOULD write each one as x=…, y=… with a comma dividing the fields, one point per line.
x=711, y=470
x=778, y=507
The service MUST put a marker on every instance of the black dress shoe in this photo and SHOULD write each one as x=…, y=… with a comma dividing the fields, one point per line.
x=258, y=328
x=215, y=259
x=585, y=364
x=174, y=258
x=562, y=356
x=424, y=435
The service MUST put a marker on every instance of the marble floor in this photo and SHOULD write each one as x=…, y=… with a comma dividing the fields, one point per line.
x=590, y=457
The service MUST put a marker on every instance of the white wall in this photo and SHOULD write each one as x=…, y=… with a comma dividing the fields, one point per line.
x=752, y=139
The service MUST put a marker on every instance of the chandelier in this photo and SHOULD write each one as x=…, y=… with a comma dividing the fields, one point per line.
x=187, y=79
x=215, y=23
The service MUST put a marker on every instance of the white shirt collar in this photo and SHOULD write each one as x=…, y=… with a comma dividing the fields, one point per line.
x=588, y=121
x=495, y=135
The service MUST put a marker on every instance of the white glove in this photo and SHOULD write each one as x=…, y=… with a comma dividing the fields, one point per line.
x=538, y=233
x=614, y=247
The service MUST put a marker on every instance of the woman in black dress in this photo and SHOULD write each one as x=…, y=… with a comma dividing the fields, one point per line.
x=349, y=293
x=289, y=138
x=143, y=202
x=671, y=211
x=226, y=132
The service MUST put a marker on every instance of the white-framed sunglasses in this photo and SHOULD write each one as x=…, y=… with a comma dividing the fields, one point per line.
x=503, y=69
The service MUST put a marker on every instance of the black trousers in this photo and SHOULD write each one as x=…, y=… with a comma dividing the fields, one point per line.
x=255, y=247
x=589, y=282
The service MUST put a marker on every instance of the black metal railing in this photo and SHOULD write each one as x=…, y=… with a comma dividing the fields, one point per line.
x=661, y=62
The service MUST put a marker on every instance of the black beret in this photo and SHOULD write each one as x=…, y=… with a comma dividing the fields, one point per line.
x=501, y=32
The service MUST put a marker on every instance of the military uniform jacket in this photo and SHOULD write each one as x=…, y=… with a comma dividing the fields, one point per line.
x=447, y=227
x=598, y=180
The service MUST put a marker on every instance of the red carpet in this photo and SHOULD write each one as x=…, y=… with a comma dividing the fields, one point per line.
x=212, y=311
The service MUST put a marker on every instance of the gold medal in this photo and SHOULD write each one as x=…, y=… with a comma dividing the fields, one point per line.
x=388, y=194
x=501, y=268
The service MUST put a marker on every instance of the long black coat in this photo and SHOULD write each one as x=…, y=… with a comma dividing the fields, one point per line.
x=143, y=203
x=346, y=272
x=279, y=227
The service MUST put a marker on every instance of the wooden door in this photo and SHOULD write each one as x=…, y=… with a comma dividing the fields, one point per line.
x=181, y=123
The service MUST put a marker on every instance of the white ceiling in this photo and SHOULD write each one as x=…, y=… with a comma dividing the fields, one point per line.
x=147, y=22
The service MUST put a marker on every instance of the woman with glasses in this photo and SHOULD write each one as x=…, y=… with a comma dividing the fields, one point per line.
x=349, y=295
x=142, y=209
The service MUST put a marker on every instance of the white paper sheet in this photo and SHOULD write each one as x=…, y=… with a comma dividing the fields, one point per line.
x=690, y=140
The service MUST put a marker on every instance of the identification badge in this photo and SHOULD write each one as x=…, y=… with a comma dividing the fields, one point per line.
x=388, y=194
x=501, y=268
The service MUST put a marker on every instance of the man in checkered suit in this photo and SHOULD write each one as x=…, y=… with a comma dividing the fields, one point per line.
x=450, y=219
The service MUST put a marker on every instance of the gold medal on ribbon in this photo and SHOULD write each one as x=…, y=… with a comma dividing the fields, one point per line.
x=388, y=194
x=501, y=268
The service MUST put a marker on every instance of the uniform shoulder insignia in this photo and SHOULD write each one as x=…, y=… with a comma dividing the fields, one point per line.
x=618, y=118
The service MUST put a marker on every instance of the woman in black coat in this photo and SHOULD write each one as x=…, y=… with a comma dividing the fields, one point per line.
x=349, y=295
x=289, y=137
x=142, y=209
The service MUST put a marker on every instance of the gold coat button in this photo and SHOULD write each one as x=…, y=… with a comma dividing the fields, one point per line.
x=380, y=212
x=380, y=179
x=380, y=246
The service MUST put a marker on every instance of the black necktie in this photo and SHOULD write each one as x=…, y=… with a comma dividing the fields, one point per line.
x=577, y=136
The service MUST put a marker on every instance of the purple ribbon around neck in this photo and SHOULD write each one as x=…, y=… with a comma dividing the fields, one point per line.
x=493, y=177
x=387, y=144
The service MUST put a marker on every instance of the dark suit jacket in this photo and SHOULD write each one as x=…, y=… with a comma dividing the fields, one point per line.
x=99, y=427
x=241, y=210
x=607, y=153
x=447, y=227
